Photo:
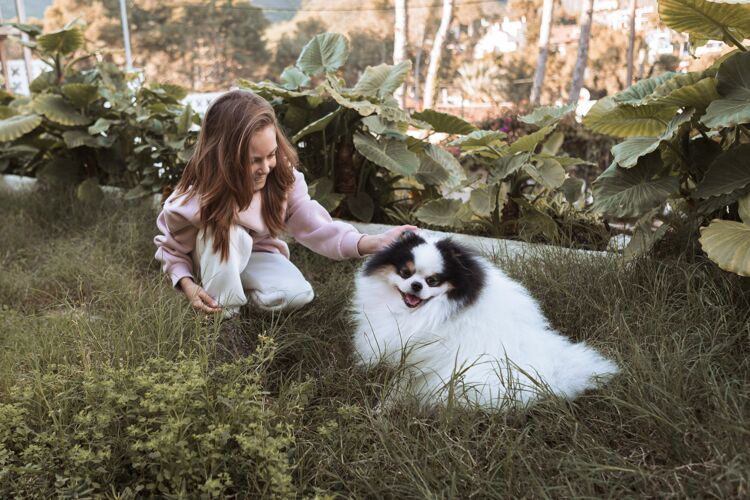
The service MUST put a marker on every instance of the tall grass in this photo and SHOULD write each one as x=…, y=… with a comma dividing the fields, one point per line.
x=79, y=288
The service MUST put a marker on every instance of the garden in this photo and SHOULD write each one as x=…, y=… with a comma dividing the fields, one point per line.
x=112, y=387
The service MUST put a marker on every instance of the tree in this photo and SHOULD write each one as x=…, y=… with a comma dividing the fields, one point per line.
x=587, y=13
x=431, y=81
x=541, y=62
x=631, y=43
x=400, y=35
x=190, y=42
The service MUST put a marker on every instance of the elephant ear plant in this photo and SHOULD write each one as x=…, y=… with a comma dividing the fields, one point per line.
x=523, y=187
x=86, y=122
x=353, y=144
x=686, y=153
x=352, y=140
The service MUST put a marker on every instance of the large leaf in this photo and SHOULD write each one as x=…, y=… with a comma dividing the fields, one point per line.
x=734, y=86
x=65, y=41
x=444, y=212
x=480, y=139
x=57, y=110
x=621, y=192
x=361, y=106
x=728, y=244
x=292, y=78
x=728, y=172
x=80, y=94
x=270, y=90
x=607, y=117
x=325, y=53
x=546, y=115
x=529, y=142
x=391, y=154
x=483, y=200
x=382, y=80
x=627, y=152
x=503, y=167
x=361, y=206
x=547, y=172
x=687, y=91
x=642, y=90
x=644, y=236
x=744, y=208
x=438, y=166
x=572, y=189
x=321, y=190
x=444, y=122
x=381, y=126
x=317, y=125
x=77, y=138
x=17, y=126
x=705, y=19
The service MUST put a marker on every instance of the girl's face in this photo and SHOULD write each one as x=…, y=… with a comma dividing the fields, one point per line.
x=262, y=155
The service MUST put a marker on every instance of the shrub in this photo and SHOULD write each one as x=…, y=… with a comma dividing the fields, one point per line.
x=163, y=428
x=89, y=121
x=687, y=142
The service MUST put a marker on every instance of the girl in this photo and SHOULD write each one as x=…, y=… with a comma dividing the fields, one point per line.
x=238, y=193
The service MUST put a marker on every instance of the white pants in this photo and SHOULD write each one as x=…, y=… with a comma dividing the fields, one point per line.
x=274, y=283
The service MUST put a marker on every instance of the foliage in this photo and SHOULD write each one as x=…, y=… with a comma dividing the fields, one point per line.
x=354, y=145
x=89, y=120
x=201, y=45
x=162, y=428
x=686, y=141
x=352, y=140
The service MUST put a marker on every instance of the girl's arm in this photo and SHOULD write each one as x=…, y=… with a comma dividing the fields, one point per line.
x=311, y=224
x=178, y=228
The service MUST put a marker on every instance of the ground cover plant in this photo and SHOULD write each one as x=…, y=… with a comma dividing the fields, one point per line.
x=111, y=386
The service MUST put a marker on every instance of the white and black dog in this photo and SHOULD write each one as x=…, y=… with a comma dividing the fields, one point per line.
x=462, y=329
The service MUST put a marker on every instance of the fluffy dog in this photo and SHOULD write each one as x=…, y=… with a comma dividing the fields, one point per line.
x=462, y=330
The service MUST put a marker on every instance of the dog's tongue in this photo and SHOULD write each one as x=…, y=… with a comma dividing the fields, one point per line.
x=412, y=300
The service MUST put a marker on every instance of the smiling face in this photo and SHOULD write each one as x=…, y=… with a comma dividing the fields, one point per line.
x=263, y=148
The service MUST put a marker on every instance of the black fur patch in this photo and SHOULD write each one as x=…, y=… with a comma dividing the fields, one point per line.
x=463, y=270
x=396, y=254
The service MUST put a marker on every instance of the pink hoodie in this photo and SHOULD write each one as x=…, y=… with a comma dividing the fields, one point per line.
x=306, y=220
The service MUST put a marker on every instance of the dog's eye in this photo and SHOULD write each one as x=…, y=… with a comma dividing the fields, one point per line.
x=432, y=281
x=404, y=273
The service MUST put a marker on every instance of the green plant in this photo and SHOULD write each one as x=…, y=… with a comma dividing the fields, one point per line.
x=165, y=428
x=87, y=123
x=686, y=139
x=523, y=188
x=352, y=140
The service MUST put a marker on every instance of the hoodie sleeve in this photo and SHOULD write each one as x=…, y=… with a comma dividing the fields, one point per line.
x=178, y=229
x=311, y=224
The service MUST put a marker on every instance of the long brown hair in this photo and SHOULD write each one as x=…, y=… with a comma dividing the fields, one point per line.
x=219, y=170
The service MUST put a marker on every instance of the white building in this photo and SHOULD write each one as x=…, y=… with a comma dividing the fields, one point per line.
x=505, y=37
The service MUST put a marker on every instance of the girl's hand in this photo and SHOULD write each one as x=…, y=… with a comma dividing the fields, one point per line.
x=199, y=299
x=372, y=243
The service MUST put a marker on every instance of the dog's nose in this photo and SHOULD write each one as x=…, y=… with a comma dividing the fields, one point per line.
x=416, y=286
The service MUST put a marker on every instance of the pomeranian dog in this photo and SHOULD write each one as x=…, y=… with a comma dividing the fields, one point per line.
x=461, y=330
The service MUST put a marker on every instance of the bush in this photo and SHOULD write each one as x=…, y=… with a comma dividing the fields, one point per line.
x=87, y=122
x=162, y=428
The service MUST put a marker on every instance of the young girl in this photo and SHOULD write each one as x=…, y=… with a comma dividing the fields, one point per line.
x=238, y=193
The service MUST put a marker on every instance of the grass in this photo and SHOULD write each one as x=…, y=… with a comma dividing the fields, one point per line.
x=79, y=289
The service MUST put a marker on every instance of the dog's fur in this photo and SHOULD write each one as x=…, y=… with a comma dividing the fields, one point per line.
x=465, y=332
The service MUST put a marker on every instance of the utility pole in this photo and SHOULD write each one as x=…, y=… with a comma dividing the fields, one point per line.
x=125, y=35
x=21, y=13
